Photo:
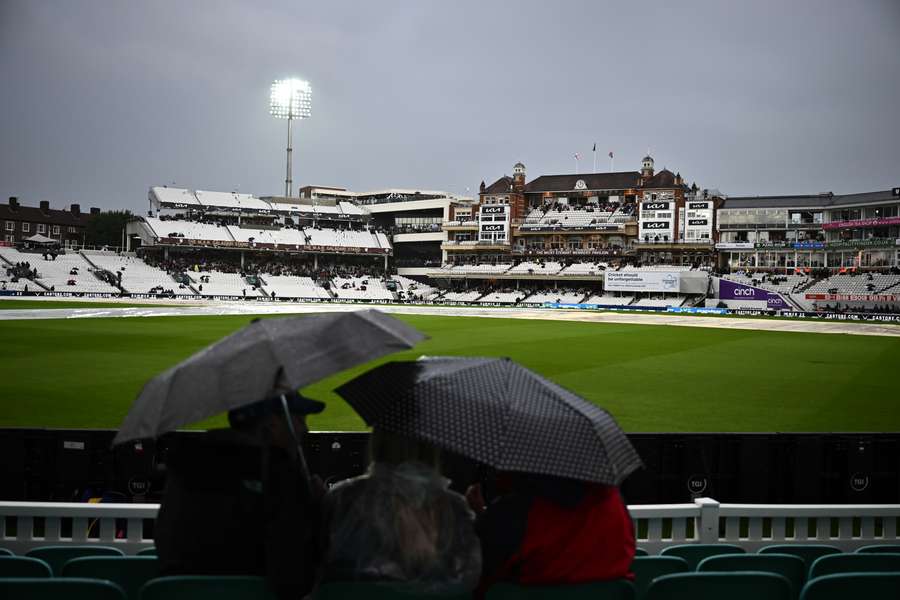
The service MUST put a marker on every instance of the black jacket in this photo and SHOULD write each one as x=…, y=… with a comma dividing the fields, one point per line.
x=233, y=506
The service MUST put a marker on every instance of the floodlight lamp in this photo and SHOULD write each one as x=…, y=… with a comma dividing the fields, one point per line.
x=290, y=99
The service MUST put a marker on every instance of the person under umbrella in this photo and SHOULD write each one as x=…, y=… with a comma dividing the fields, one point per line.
x=558, y=516
x=240, y=500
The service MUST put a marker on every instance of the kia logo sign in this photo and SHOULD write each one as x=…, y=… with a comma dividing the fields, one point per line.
x=896, y=191
x=492, y=227
x=656, y=206
x=698, y=205
x=655, y=225
x=493, y=210
x=697, y=221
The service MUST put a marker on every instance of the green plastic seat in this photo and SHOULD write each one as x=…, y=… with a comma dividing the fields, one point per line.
x=694, y=553
x=24, y=566
x=790, y=566
x=861, y=586
x=855, y=563
x=6, y=552
x=808, y=552
x=60, y=589
x=147, y=552
x=641, y=552
x=376, y=590
x=745, y=585
x=57, y=556
x=648, y=568
x=618, y=589
x=879, y=548
x=128, y=572
x=206, y=587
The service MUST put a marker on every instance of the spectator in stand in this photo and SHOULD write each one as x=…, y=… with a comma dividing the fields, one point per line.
x=543, y=530
x=236, y=503
x=400, y=523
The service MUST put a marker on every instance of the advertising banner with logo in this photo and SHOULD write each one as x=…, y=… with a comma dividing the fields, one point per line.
x=734, y=246
x=854, y=297
x=642, y=281
x=493, y=221
x=732, y=290
x=862, y=223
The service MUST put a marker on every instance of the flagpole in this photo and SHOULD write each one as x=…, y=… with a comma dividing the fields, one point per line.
x=595, y=159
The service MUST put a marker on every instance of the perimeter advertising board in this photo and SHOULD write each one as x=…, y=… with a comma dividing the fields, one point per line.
x=642, y=281
x=732, y=290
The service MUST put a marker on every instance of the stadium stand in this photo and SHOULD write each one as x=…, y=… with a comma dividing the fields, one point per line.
x=868, y=283
x=507, y=297
x=535, y=268
x=609, y=300
x=360, y=288
x=584, y=268
x=137, y=276
x=660, y=302
x=216, y=283
x=286, y=286
x=784, y=284
x=461, y=296
x=563, y=296
x=188, y=230
x=66, y=272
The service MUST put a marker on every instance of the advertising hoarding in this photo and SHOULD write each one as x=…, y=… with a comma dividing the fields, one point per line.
x=732, y=290
x=642, y=281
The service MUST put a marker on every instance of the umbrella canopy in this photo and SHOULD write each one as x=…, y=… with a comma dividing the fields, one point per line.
x=497, y=412
x=245, y=366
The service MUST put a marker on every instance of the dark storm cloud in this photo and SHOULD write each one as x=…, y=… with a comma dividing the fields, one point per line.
x=101, y=100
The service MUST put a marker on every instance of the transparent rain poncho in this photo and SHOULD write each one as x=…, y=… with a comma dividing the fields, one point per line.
x=401, y=524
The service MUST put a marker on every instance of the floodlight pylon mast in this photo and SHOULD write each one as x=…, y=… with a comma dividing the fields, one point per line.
x=288, y=182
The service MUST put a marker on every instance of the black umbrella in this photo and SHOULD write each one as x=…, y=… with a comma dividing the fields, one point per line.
x=247, y=365
x=497, y=412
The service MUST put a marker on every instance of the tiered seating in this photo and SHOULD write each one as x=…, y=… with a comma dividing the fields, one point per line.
x=461, y=296
x=137, y=276
x=663, y=268
x=189, y=230
x=855, y=284
x=660, y=302
x=223, y=284
x=563, y=217
x=417, y=288
x=56, y=273
x=561, y=296
x=346, y=238
x=584, y=268
x=360, y=288
x=785, y=283
x=609, y=300
x=481, y=268
x=503, y=297
x=533, y=268
x=286, y=286
x=231, y=201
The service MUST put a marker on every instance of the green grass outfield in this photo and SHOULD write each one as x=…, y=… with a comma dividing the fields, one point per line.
x=86, y=372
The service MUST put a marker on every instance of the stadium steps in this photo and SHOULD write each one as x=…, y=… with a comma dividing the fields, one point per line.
x=5, y=263
x=893, y=287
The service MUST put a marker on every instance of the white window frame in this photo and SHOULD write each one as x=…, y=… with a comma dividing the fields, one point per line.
x=40, y=227
x=10, y=226
x=55, y=230
x=26, y=227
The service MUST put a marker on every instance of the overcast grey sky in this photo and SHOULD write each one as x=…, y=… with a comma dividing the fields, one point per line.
x=101, y=100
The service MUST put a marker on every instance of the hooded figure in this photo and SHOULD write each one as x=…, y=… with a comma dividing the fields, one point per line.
x=400, y=523
x=238, y=503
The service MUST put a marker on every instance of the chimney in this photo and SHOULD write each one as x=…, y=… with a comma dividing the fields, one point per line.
x=45, y=206
x=76, y=209
x=13, y=201
x=95, y=210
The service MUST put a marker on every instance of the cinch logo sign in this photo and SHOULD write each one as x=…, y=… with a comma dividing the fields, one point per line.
x=697, y=221
x=655, y=206
x=493, y=210
x=488, y=228
x=655, y=225
x=698, y=205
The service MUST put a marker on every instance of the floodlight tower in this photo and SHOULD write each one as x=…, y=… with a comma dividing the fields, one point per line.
x=290, y=99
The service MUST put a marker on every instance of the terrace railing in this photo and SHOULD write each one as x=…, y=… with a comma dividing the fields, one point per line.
x=26, y=525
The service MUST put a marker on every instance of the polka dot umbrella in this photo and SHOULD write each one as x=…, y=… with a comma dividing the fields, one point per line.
x=496, y=412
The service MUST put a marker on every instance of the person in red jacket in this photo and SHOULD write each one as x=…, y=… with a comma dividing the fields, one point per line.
x=543, y=530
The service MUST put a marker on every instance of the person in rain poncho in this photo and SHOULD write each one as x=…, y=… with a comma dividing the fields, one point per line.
x=400, y=523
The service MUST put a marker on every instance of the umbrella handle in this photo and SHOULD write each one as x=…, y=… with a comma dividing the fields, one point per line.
x=301, y=458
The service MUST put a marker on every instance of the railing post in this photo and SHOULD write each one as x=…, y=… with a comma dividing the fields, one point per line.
x=708, y=523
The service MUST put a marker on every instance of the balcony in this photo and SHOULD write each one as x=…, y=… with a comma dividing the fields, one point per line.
x=470, y=225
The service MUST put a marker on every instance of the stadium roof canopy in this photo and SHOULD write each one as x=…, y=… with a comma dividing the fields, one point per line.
x=825, y=200
x=593, y=181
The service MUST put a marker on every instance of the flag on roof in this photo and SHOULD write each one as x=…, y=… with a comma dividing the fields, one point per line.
x=610, y=154
x=577, y=156
x=595, y=147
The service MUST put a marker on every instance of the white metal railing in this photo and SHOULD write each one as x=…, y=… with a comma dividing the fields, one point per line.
x=27, y=525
